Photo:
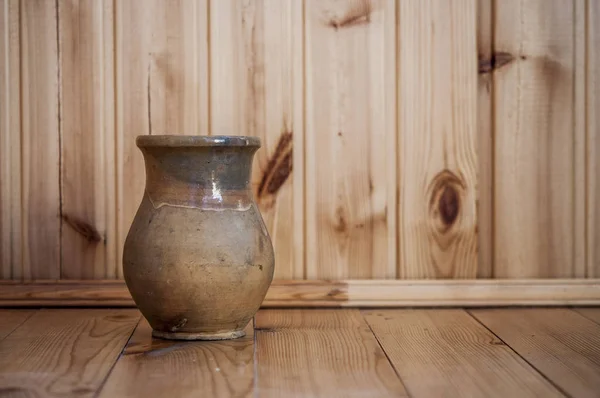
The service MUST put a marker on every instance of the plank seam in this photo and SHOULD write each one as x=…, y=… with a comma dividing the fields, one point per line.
x=60, y=144
x=304, y=195
x=22, y=147
x=492, y=150
x=386, y=354
x=115, y=147
x=109, y=373
x=586, y=132
x=556, y=386
x=20, y=324
x=579, y=130
x=254, y=358
x=5, y=31
x=397, y=239
x=209, y=67
x=585, y=316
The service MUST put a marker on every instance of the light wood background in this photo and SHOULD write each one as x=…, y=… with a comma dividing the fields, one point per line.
x=409, y=139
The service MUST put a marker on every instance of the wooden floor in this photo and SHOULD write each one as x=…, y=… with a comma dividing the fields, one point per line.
x=543, y=352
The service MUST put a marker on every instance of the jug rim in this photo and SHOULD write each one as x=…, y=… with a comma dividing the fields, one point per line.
x=197, y=141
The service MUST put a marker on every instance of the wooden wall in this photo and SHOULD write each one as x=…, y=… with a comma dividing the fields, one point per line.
x=412, y=139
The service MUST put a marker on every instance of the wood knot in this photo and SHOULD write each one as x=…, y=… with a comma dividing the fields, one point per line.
x=358, y=13
x=448, y=206
x=340, y=224
x=497, y=61
x=445, y=195
x=90, y=233
x=278, y=168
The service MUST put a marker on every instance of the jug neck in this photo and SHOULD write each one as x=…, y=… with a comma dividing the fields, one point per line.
x=203, y=172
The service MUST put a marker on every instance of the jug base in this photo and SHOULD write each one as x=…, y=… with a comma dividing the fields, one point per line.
x=233, y=334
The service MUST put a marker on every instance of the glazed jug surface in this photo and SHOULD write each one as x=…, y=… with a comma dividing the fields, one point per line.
x=198, y=259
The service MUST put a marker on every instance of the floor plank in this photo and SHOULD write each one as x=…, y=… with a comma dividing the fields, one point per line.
x=63, y=352
x=320, y=353
x=560, y=343
x=447, y=353
x=12, y=319
x=164, y=368
x=592, y=314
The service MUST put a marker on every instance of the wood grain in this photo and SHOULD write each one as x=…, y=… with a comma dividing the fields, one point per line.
x=182, y=369
x=485, y=139
x=88, y=232
x=382, y=171
x=325, y=293
x=320, y=353
x=534, y=141
x=10, y=141
x=593, y=139
x=64, y=352
x=161, y=84
x=12, y=319
x=40, y=134
x=448, y=353
x=560, y=343
x=437, y=148
x=350, y=139
x=256, y=90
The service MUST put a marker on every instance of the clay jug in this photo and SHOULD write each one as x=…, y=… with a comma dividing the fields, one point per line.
x=198, y=259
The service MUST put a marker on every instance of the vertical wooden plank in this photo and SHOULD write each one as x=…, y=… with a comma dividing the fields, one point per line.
x=534, y=139
x=182, y=369
x=350, y=139
x=579, y=140
x=64, y=352
x=256, y=90
x=88, y=241
x=321, y=353
x=40, y=140
x=298, y=176
x=593, y=139
x=389, y=270
x=561, y=344
x=162, y=86
x=485, y=139
x=10, y=141
x=228, y=82
x=437, y=138
x=447, y=353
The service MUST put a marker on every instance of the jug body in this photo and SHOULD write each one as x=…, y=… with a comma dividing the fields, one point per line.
x=198, y=259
